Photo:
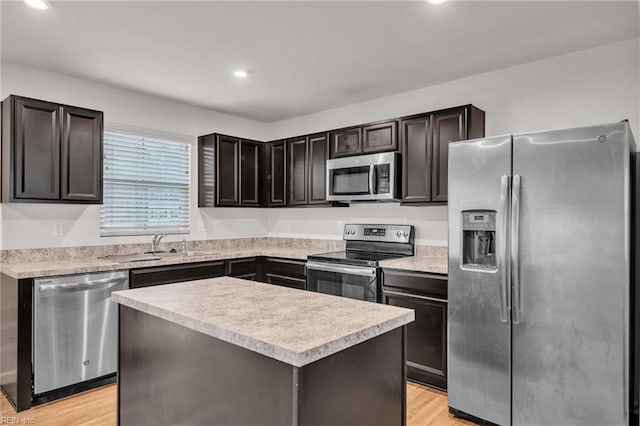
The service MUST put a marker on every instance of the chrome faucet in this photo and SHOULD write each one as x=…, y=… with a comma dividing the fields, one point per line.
x=155, y=241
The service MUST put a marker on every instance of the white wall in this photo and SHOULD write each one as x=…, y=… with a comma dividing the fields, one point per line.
x=582, y=88
x=31, y=225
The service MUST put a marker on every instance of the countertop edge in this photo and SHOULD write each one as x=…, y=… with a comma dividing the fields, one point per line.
x=168, y=261
x=279, y=353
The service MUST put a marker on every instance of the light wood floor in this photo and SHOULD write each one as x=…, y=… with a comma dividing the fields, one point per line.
x=425, y=407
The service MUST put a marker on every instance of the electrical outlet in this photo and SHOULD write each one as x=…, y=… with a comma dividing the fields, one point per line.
x=58, y=229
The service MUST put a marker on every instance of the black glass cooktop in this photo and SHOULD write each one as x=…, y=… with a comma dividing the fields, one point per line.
x=357, y=258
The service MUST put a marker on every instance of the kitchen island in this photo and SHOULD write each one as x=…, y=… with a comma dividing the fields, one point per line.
x=226, y=351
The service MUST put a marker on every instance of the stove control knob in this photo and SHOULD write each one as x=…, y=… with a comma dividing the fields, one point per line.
x=405, y=234
x=398, y=234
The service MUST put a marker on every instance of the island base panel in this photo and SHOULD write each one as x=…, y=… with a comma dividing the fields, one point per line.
x=362, y=385
x=170, y=374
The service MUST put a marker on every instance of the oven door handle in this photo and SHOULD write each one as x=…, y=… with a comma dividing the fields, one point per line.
x=341, y=269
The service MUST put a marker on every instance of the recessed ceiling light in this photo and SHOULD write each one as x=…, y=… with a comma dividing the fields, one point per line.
x=436, y=2
x=38, y=4
x=241, y=74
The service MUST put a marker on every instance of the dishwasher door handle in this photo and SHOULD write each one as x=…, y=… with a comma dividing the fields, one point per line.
x=81, y=286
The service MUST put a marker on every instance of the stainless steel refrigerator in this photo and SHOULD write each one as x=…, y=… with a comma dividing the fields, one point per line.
x=540, y=232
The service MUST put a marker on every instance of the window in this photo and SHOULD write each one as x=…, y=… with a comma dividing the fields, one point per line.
x=146, y=186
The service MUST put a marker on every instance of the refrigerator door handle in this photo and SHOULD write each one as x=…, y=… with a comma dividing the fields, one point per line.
x=505, y=304
x=515, y=250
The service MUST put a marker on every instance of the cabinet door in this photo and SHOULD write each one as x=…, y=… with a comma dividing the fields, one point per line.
x=426, y=337
x=278, y=178
x=81, y=155
x=37, y=150
x=416, y=159
x=380, y=137
x=241, y=268
x=227, y=162
x=207, y=171
x=297, y=167
x=250, y=173
x=449, y=126
x=346, y=142
x=318, y=156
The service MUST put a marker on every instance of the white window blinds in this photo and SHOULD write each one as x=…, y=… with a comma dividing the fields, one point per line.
x=146, y=186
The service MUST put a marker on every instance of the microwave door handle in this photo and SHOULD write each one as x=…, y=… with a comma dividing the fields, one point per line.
x=372, y=179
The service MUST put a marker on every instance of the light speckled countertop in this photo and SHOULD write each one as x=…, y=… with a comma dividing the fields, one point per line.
x=81, y=266
x=430, y=264
x=293, y=326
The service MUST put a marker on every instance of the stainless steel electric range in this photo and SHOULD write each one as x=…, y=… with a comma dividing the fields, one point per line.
x=354, y=272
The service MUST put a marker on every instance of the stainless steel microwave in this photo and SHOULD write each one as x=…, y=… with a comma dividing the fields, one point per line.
x=373, y=177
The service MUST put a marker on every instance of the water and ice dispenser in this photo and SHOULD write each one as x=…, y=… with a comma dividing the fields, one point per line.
x=479, y=240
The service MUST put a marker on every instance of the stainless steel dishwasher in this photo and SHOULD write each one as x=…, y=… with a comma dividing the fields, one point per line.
x=75, y=329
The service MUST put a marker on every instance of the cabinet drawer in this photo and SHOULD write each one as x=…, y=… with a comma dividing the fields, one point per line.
x=423, y=283
x=171, y=274
x=286, y=268
x=240, y=267
x=276, y=279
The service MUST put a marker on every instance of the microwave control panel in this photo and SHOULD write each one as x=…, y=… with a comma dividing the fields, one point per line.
x=384, y=179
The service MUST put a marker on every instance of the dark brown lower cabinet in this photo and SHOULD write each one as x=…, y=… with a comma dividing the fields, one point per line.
x=285, y=272
x=427, y=335
x=271, y=270
x=158, y=275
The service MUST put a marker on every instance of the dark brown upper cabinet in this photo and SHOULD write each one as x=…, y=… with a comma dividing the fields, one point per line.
x=318, y=156
x=250, y=173
x=228, y=167
x=297, y=175
x=81, y=155
x=227, y=179
x=50, y=152
x=346, y=142
x=275, y=160
x=424, y=142
x=207, y=171
x=380, y=137
x=307, y=169
x=368, y=139
x=292, y=172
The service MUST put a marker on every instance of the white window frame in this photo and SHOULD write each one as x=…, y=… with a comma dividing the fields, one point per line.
x=147, y=135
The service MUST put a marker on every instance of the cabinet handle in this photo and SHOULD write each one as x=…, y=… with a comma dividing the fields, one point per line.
x=415, y=296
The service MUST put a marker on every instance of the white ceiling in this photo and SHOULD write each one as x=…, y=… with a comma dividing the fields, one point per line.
x=303, y=56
